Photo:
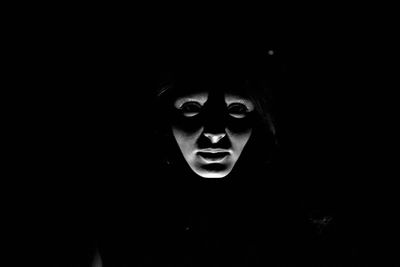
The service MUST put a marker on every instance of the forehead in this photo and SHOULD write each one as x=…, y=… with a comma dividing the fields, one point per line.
x=202, y=96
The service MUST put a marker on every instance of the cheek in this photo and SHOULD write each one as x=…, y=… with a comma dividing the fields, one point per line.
x=240, y=127
x=186, y=130
x=239, y=139
x=187, y=126
x=186, y=139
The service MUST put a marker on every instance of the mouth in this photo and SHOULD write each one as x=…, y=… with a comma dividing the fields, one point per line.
x=214, y=155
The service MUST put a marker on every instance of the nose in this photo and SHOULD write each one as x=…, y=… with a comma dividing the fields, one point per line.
x=214, y=137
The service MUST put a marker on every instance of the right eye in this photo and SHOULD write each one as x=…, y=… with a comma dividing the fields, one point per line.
x=238, y=111
x=190, y=109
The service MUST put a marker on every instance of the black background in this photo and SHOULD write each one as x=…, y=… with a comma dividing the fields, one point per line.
x=84, y=121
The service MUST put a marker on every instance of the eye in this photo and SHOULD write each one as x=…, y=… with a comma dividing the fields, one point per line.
x=190, y=109
x=238, y=110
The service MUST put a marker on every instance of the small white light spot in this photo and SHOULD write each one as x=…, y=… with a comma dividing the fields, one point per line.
x=187, y=228
x=271, y=52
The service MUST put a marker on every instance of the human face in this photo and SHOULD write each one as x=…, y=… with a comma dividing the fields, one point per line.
x=211, y=129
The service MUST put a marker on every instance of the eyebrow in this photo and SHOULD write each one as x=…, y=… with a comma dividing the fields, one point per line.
x=201, y=98
x=229, y=99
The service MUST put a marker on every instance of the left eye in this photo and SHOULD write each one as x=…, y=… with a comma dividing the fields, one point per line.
x=238, y=111
x=190, y=109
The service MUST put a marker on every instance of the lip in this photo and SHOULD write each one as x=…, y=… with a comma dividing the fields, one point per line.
x=213, y=155
x=214, y=150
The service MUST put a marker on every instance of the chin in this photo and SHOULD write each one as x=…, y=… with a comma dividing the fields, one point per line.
x=211, y=174
x=213, y=170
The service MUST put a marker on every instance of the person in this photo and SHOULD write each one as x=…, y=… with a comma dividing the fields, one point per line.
x=214, y=115
x=216, y=191
x=217, y=146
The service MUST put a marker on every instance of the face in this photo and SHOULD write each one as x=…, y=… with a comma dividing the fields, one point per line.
x=211, y=129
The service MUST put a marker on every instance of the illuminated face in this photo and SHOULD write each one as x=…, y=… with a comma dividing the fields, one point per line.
x=211, y=129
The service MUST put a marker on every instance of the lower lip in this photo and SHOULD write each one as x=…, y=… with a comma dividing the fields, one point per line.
x=213, y=157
